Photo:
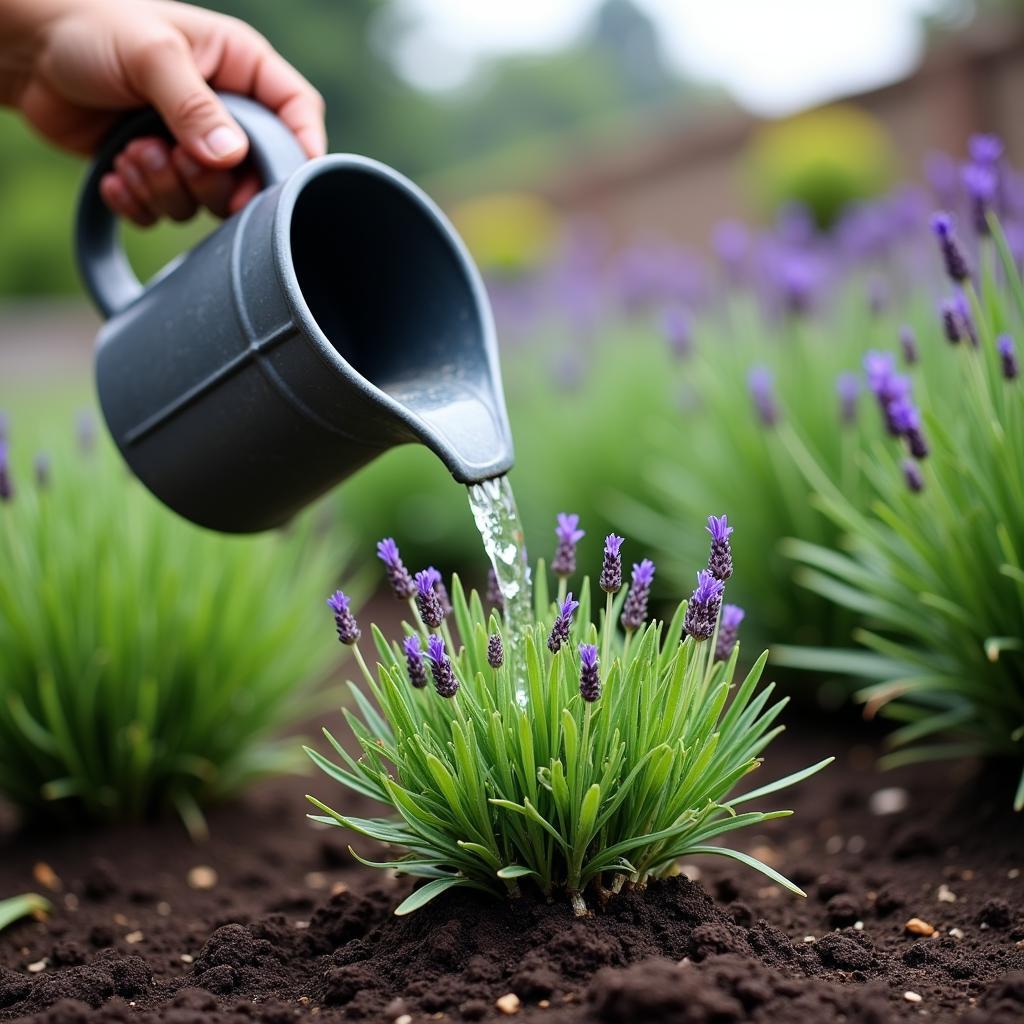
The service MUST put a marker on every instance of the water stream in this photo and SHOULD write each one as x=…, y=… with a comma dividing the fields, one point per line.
x=494, y=510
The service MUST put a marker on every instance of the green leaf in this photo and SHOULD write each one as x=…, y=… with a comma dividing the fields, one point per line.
x=17, y=907
x=422, y=896
x=751, y=862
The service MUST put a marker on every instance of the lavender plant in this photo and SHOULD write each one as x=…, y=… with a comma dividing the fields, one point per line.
x=934, y=568
x=593, y=758
x=144, y=664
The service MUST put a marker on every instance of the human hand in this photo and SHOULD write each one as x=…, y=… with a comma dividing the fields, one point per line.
x=94, y=59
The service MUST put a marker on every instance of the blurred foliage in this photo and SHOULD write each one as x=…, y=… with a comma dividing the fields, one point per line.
x=825, y=160
x=506, y=233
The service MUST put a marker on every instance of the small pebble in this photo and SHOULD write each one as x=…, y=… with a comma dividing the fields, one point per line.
x=163, y=908
x=956, y=933
x=891, y=800
x=39, y=965
x=508, y=1004
x=544, y=1004
x=187, y=958
x=47, y=877
x=915, y=926
x=967, y=874
x=70, y=901
x=945, y=894
x=1013, y=873
x=810, y=938
x=858, y=926
x=856, y=844
x=201, y=877
x=304, y=1000
x=404, y=1019
x=120, y=919
x=338, y=888
x=912, y=997
x=834, y=844
x=134, y=938
x=316, y=880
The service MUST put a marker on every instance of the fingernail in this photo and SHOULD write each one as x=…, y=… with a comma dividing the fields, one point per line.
x=154, y=158
x=223, y=141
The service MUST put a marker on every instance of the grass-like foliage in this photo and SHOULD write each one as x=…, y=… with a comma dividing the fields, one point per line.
x=145, y=664
x=935, y=566
x=576, y=758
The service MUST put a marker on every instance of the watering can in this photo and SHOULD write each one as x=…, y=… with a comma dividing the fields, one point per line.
x=336, y=316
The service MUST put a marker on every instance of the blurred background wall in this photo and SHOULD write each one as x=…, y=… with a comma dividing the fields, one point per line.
x=650, y=116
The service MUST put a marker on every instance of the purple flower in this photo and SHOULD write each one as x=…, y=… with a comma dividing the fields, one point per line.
x=952, y=254
x=762, y=390
x=41, y=467
x=398, y=576
x=950, y=321
x=560, y=630
x=678, y=331
x=6, y=486
x=728, y=629
x=414, y=662
x=634, y=610
x=344, y=620
x=494, y=595
x=441, y=668
x=985, y=149
x=981, y=182
x=569, y=535
x=908, y=345
x=495, y=651
x=912, y=476
x=880, y=368
x=441, y=590
x=1008, y=357
x=590, y=675
x=848, y=389
x=731, y=241
x=963, y=313
x=720, y=559
x=702, y=608
x=611, y=566
x=430, y=608
x=904, y=416
x=798, y=279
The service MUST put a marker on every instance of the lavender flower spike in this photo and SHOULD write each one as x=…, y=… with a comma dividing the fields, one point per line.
x=1008, y=357
x=560, y=630
x=590, y=676
x=848, y=389
x=981, y=184
x=414, y=662
x=729, y=627
x=762, y=391
x=703, y=606
x=912, y=475
x=6, y=487
x=720, y=559
x=908, y=345
x=430, y=608
x=441, y=668
x=950, y=321
x=952, y=254
x=344, y=620
x=569, y=535
x=611, y=568
x=398, y=576
x=441, y=590
x=495, y=651
x=634, y=610
x=963, y=312
x=985, y=149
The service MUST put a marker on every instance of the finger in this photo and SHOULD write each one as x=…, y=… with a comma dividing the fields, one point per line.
x=164, y=71
x=134, y=180
x=246, y=189
x=249, y=65
x=116, y=195
x=212, y=189
x=168, y=196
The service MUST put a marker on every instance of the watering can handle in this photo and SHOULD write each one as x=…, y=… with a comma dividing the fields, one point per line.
x=101, y=259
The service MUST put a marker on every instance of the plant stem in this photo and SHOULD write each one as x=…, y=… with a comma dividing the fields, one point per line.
x=606, y=632
x=362, y=664
x=578, y=906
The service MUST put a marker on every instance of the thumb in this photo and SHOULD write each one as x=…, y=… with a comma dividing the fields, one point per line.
x=166, y=75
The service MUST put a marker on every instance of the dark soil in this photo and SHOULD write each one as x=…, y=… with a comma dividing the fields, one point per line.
x=288, y=926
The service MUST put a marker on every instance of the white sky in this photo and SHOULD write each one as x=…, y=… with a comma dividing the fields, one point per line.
x=773, y=56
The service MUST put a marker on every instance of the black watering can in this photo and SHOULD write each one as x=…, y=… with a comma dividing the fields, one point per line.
x=336, y=316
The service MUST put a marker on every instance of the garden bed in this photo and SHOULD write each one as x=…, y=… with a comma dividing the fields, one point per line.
x=272, y=920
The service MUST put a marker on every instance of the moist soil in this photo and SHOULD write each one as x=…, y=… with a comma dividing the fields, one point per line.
x=272, y=920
